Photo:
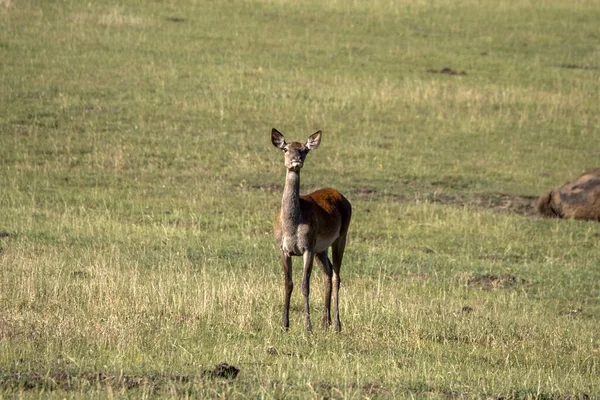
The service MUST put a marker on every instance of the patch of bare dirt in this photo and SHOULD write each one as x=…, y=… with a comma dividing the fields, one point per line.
x=222, y=370
x=63, y=379
x=67, y=380
x=80, y=274
x=370, y=390
x=576, y=66
x=423, y=390
x=499, y=202
x=366, y=193
x=325, y=390
x=494, y=282
x=93, y=109
x=272, y=351
x=447, y=71
x=518, y=395
x=573, y=312
x=176, y=19
x=521, y=205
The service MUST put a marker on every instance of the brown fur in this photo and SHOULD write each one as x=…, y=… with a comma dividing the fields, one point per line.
x=578, y=199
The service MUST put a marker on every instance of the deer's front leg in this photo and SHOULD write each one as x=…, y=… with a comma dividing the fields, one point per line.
x=286, y=260
x=308, y=263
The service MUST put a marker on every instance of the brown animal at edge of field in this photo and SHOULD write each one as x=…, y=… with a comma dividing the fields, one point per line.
x=578, y=199
x=307, y=226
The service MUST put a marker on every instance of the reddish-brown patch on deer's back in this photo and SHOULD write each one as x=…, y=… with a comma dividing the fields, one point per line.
x=327, y=198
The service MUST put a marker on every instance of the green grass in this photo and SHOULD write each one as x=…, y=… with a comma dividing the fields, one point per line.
x=139, y=190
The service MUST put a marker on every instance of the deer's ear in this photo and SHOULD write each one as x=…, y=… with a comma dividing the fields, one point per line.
x=314, y=141
x=277, y=139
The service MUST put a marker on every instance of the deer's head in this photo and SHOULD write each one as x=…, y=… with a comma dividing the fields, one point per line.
x=295, y=152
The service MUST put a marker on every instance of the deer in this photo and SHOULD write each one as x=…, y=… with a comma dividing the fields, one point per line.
x=308, y=226
x=577, y=199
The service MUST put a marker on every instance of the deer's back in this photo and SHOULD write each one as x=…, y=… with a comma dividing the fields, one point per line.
x=332, y=209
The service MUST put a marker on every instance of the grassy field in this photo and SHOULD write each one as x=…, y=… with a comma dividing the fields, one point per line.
x=139, y=188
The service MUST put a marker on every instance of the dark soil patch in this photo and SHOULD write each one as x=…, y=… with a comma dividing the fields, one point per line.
x=574, y=312
x=176, y=19
x=466, y=309
x=532, y=394
x=68, y=380
x=447, y=71
x=575, y=66
x=365, y=193
x=372, y=390
x=424, y=390
x=80, y=274
x=222, y=370
x=4, y=234
x=499, y=202
x=325, y=390
x=94, y=108
x=494, y=282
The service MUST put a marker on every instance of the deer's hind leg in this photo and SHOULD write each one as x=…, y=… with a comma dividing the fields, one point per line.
x=337, y=250
x=327, y=268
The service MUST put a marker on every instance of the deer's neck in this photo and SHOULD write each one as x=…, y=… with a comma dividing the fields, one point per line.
x=290, y=202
